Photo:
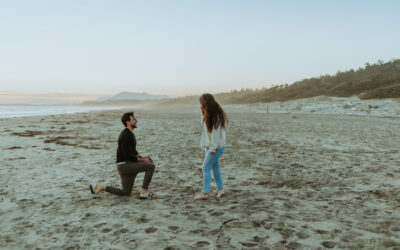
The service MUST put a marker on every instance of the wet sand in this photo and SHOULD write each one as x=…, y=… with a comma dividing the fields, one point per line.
x=302, y=181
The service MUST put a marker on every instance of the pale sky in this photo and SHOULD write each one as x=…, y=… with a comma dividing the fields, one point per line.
x=181, y=48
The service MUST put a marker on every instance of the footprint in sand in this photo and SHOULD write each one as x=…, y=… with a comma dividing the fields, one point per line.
x=202, y=243
x=165, y=215
x=174, y=228
x=319, y=231
x=268, y=225
x=234, y=207
x=248, y=244
x=88, y=215
x=257, y=223
x=96, y=225
x=120, y=231
x=142, y=220
x=17, y=219
x=286, y=233
x=171, y=248
x=150, y=230
x=294, y=245
x=106, y=230
x=197, y=231
x=217, y=213
x=48, y=149
x=258, y=239
x=302, y=235
x=328, y=244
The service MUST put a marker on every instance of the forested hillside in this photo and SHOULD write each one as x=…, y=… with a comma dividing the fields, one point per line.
x=374, y=81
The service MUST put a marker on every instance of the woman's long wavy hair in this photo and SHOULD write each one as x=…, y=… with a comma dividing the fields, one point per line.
x=214, y=115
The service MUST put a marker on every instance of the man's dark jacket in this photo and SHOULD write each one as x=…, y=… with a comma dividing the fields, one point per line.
x=126, y=150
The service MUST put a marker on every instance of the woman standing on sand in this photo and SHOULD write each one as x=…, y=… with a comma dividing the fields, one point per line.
x=213, y=140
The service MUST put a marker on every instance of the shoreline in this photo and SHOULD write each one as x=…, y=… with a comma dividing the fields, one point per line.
x=47, y=110
x=317, y=105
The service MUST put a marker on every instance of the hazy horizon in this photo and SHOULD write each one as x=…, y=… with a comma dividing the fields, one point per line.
x=19, y=97
x=24, y=97
x=100, y=48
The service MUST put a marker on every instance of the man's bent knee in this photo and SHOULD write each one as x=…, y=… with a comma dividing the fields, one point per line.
x=151, y=167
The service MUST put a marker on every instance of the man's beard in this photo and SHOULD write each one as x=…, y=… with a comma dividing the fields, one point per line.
x=133, y=126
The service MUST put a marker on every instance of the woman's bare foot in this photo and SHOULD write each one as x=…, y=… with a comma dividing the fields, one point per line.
x=219, y=193
x=201, y=196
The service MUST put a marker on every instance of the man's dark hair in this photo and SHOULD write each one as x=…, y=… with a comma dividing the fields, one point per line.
x=126, y=117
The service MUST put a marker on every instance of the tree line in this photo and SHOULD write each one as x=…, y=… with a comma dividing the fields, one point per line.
x=373, y=81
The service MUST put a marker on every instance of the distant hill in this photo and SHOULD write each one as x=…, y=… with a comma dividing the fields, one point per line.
x=119, y=102
x=131, y=96
x=374, y=81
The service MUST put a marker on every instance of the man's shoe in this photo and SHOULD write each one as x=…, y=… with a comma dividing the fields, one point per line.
x=148, y=197
x=94, y=195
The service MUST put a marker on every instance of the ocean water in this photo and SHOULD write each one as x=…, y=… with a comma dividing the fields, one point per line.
x=7, y=111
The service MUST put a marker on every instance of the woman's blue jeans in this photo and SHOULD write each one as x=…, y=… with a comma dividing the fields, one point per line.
x=211, y=162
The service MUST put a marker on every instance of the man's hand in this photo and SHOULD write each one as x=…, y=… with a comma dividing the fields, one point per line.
x=211, y=153
x=146, y=159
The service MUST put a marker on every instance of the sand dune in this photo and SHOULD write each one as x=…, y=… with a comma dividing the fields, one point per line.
x=292, y=181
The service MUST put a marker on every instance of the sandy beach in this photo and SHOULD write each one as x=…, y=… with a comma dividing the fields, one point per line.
x=295, y=180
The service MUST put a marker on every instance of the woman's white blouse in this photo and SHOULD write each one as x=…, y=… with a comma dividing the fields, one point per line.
x=213, y=140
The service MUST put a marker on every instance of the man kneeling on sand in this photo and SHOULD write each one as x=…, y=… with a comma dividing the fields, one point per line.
x=129, y=163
